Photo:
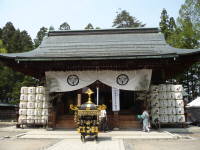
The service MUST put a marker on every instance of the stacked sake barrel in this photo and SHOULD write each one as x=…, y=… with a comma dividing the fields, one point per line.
x=23, y=105
x=171, y=103
x=33, y=105
x=41, y=106
x=153, y=102
x=166, y=103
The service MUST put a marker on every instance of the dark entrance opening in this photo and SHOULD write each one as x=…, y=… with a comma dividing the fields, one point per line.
x=129, y=106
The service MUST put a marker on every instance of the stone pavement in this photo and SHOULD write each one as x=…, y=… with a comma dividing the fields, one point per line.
x=112, y=140
x=76, y=144
x=70, y=139
x=43, y=134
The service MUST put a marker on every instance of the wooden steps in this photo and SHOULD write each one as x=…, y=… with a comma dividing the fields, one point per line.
x=66, y=121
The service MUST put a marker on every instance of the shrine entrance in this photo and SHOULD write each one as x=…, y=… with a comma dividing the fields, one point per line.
x=129, y=106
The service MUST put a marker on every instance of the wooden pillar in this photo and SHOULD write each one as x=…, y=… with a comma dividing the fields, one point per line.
x=116, y=120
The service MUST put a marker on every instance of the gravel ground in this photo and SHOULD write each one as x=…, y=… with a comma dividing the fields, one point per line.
x=182, y=144
x=26, y=144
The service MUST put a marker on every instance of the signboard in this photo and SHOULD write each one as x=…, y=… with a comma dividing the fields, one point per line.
x=115, y=99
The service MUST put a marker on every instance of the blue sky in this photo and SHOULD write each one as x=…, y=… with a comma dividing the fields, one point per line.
x=31, y=15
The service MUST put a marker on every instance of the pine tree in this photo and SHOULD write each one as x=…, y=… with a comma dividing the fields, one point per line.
x=64, y=26
x=89, y=26
x=40, y=35
x=125, y=20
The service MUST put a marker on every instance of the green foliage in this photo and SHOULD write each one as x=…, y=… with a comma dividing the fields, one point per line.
x=40, y=35
x=64, y=26
x=167, y=25
x=13, y=40
x=89, y=26
x=2, y=48
x=125, y=20
x=185, y=33
x=190, y=10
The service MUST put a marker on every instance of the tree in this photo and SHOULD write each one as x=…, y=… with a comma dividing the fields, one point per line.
x=89, y=26
x=0, y=33
x=13, y=41
x=8, y=33
x=40, y=35
x=64, y=26
x=190, y=10
x=185, y=34
x=51, y=28
x=2, y=48
x=189, y=24
x=125, y=20
x=167, y=25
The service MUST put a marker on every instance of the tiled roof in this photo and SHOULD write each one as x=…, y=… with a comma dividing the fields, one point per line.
x=103, y=44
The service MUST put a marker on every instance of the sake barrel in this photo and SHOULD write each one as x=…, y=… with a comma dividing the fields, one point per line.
x=164, y=118
x=179, y=103
x=38, y=104
x=155, y=118
x=45, y=105
x=177, y=88
x=22, y=119
x=39, y=97
x=44, y=119
x=23, y=105
x=45, y=98
x=169, y=87
x=179, y=110
x=31, y=97
x=162, y=95
x=163, y=103
x=172, y=118
x=24, y=90
x=23, y=97
x=30, y=119
x=163, y=111
x=169, y=110
x=38, y=119
x=31, y=105
x=178, y=95
x=155, y=103
x=30, y=112
x=180, y=118
x=162, y=87
x=154, y=96
x=38, y=112
x=173, y=110
x=31, y=90
x=40, y=90
x=22, y=111
x=171, y=95
x=171, y=103
x=154, y=88
x=45, y=112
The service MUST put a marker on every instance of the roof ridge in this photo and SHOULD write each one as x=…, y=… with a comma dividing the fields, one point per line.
x=104, y=31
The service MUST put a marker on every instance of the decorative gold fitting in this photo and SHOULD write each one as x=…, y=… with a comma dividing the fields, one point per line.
x=89, y=92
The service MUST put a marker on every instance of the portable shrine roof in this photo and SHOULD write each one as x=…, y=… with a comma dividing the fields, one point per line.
x=128, y=43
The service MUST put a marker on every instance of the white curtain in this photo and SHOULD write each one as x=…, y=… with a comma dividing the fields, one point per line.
x=135, y=80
